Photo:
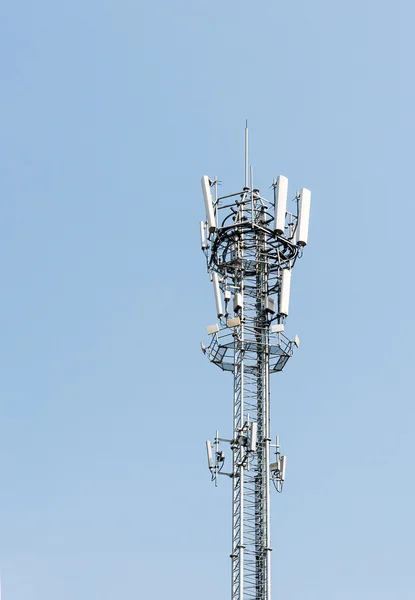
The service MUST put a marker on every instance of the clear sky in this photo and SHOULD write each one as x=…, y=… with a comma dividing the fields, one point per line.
x=111, y=111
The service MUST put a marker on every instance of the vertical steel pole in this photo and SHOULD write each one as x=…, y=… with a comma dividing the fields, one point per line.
x=263, y=409
x=237, y=447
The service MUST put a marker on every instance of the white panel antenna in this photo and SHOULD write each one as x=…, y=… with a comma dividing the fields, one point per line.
x=269, y=305
x=233, y=322
x=209, y=455
x=303, y=216
x=210, y=213
x=253, y=436
x=280, y=204
x=277, y=328
x=285, y=292
x=218, y=297
x=283, y=467
x=237, y=302
x=211, y=329
x=203, y=241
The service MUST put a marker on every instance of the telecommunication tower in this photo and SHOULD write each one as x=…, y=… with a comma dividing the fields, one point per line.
x=251, y=245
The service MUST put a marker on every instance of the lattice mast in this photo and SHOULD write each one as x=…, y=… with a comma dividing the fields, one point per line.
x=251, y=245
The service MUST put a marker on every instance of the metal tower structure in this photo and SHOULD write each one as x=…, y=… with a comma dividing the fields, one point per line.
x=251, y=245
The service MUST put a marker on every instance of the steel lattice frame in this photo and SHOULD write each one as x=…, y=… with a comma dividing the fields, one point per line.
x=249, y=258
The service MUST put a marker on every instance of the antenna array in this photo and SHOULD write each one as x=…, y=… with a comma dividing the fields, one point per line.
x=251, y=245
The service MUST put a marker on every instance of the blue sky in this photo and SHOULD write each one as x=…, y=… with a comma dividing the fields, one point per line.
x=110, y=113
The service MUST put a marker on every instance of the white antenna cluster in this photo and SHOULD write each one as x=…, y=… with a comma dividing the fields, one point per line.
x=251, y=245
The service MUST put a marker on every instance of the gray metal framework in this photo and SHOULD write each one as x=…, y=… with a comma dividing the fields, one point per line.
x=248, y=258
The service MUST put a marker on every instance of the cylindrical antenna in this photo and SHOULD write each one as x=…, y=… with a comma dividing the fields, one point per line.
x=246, y=153
x=218, y=298
x=280, y=204
x=285, y=292
x=303, y=216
